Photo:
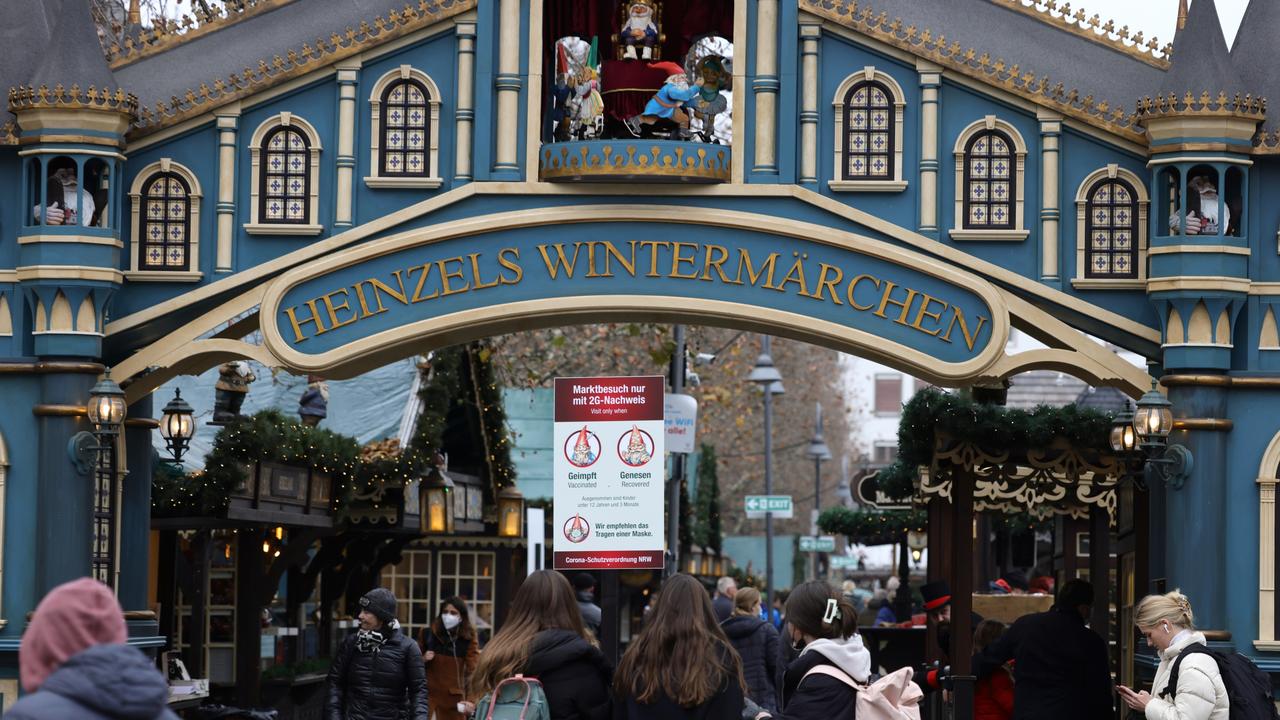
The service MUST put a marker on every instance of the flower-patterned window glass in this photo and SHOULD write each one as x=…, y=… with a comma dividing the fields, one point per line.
x=285, y=177
x=868, y=136
x=166, y=223
x=1111, y=226
x=406, y=130
x=989, y=182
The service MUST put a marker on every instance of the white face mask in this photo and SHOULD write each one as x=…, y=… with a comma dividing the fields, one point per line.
x=450, y=621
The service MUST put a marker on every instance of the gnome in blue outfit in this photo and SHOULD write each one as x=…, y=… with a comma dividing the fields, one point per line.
x=668, y=104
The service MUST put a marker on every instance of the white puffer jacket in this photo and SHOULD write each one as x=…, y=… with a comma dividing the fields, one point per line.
x=1201, y=695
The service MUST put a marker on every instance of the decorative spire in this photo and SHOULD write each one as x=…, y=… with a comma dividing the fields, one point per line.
x=135, y=12
x=1252, y=52
x=1201, y=62
x=1182, y=14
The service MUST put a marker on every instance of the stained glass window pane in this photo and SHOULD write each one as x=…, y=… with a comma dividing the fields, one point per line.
x=868, y=155
x=164, y=227
x=286, y=180
x=1111, y=217
x=405, y=125
x=989, y=197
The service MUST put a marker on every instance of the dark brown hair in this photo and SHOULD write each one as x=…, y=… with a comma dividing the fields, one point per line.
x=545, y=601
x=464, y=631
x=808, y=610
x=987, y=632
x=681, y=652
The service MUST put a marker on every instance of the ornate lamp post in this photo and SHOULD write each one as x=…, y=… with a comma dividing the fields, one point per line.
x=106, y=407
x=769, y=379
x=177, y=426
x=818, y=451
x=1147, y=432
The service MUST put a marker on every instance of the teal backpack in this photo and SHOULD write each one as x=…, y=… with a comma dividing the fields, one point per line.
x=516, y=698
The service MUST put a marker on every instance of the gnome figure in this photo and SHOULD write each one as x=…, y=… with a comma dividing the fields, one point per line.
x=233, y=384
x=639, y=30
x=582, y=455
x=637, y=452
x=314, y=404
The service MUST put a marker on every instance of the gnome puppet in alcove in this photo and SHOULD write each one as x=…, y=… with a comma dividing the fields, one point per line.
x=640, y=30
x=233, y=384
x=313, y=406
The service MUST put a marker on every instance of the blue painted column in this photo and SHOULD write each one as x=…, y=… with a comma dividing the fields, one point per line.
x=64, y=495
x=135, y=506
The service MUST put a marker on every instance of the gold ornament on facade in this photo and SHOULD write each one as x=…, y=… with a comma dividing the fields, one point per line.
x=165, y=34
x=606, y=160
x=923, y=43
x=1189, y=104
x=293, y=64
x=72, y=98
x=1092, y=28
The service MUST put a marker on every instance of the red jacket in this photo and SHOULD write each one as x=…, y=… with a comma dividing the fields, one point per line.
x=993, y=696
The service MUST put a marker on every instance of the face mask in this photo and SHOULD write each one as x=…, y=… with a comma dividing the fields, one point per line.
x=450, y=621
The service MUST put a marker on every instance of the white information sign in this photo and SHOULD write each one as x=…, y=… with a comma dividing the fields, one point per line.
x=609, y=473
x=681, y=412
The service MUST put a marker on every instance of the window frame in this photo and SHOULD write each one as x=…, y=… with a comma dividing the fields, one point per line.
x=257, y=224
x=137, y=271
x=1017, y=230
x=897, y=100
x=990, y=156
x=379, y=179
x=1112, y=172
x=875, y=400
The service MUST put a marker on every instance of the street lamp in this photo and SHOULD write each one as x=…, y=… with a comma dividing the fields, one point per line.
x=436, y=501
x=106, y=407
x=769, y=379
x=818, y=451
x=917, y=541
x=177, y=425
x=1145, y=433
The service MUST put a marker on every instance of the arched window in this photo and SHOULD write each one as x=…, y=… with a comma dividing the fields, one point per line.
x=285, y=194
x=406, y=127
x=1111, y=224
x=1111, y=230
x=990, y=159
x=165, y=209
x=988, y=186
x=284, y=183
x=166, y=223
x=869, y=110
x=868, y=137
x=404, y=131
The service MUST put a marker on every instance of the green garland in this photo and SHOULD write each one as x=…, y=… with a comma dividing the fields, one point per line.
x=862, y=526
x=268, y=436
x=989, y=426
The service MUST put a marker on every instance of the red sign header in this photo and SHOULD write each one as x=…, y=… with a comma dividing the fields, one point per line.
x=614, y=399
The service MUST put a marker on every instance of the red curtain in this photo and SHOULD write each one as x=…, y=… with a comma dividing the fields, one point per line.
x=682, y=21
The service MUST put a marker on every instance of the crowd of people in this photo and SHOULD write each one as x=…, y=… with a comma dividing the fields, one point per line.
x=686, y=663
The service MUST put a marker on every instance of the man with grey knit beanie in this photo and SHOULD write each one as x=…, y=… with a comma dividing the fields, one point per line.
x=378, y=671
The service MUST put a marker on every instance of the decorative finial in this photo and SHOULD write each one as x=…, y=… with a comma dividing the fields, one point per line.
x=1182, y=14
x=135, y=12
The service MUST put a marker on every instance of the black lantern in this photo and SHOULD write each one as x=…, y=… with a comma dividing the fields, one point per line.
x=1124, y=438
x=1154, y=419
x=106, y=406
x=177, y=425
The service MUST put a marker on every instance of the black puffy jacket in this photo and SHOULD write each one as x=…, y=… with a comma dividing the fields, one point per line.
x=388, y=683
x=757, y=644
x=574, y=674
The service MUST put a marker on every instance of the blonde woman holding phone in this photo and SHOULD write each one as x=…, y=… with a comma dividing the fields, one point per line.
x=1166, y=621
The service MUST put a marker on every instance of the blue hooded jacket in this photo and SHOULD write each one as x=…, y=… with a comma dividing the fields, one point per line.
x=104, y=682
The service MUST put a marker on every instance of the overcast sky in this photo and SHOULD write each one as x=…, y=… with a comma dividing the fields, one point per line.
x=1158, y=17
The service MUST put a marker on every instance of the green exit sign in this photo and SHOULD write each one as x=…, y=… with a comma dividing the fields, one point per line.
x=758, y=506
x=819, y=543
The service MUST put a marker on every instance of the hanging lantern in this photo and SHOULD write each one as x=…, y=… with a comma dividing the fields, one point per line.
x=1154, y=419
x=1123, y=436
x=177, y=425
x=435, y=501
x=917, y=541
x=510, y=512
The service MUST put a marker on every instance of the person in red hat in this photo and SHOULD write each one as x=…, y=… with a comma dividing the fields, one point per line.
x=74, y=662
x=937, y=605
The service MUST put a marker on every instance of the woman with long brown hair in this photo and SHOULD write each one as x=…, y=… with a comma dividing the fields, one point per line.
x=681, y=665
x=450, y=651
x=543, y=637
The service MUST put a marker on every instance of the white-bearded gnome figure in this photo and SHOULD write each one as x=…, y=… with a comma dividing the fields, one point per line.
x=640, y=30
x=582, y=455
x=637, y=452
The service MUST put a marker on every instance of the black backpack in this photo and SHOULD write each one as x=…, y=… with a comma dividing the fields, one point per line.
x=1248, y=688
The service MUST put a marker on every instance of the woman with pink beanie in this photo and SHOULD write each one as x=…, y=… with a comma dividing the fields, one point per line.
x=74, y=663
